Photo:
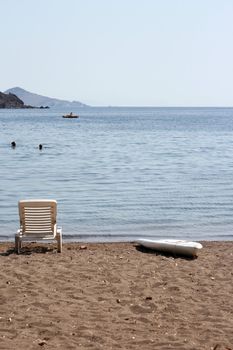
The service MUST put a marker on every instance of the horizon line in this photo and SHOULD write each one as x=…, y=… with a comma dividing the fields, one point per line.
x=149, y=106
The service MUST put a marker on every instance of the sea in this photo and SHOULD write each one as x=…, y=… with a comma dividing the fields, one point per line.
x=119, y=174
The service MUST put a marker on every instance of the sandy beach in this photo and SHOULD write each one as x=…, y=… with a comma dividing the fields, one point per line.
x=115, y=296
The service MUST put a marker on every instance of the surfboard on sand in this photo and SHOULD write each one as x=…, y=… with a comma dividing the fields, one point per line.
x=173, y=246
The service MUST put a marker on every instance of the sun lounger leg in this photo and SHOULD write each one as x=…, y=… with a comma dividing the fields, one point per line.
x=59, y=241
x=17, y=244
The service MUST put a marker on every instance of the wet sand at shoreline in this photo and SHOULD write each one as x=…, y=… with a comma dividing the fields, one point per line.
x=115, y=296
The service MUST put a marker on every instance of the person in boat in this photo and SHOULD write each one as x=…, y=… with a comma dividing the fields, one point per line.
x=71, y=114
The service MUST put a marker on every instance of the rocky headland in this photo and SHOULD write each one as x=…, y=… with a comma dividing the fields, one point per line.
x=11, y=101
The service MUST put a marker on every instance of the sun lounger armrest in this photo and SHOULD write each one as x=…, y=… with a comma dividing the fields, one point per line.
x=19, y=232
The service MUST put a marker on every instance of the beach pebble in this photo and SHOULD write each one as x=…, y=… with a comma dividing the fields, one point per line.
x=41, y=342
x=82, y=247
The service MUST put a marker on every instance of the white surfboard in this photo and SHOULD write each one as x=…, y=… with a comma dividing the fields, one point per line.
x=174, y=246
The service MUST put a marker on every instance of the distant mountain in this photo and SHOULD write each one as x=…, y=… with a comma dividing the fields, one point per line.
x=36, y=100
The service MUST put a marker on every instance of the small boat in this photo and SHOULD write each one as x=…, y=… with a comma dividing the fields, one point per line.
x=173, y=246
x=71, y=115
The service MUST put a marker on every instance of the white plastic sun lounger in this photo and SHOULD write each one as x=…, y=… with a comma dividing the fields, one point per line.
x=38, y=222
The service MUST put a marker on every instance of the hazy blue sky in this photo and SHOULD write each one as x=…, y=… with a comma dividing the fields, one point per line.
x=120, y=52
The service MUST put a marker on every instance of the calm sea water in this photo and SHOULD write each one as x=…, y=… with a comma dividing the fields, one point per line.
x=122, y=173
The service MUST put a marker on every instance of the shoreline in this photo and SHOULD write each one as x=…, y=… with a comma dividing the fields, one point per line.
x=108, y=239
x=116, y=296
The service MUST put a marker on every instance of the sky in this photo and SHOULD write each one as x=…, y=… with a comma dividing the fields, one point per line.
x=120, y=52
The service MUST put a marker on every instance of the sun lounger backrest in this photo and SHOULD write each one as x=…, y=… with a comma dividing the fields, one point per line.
x=38, y=217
